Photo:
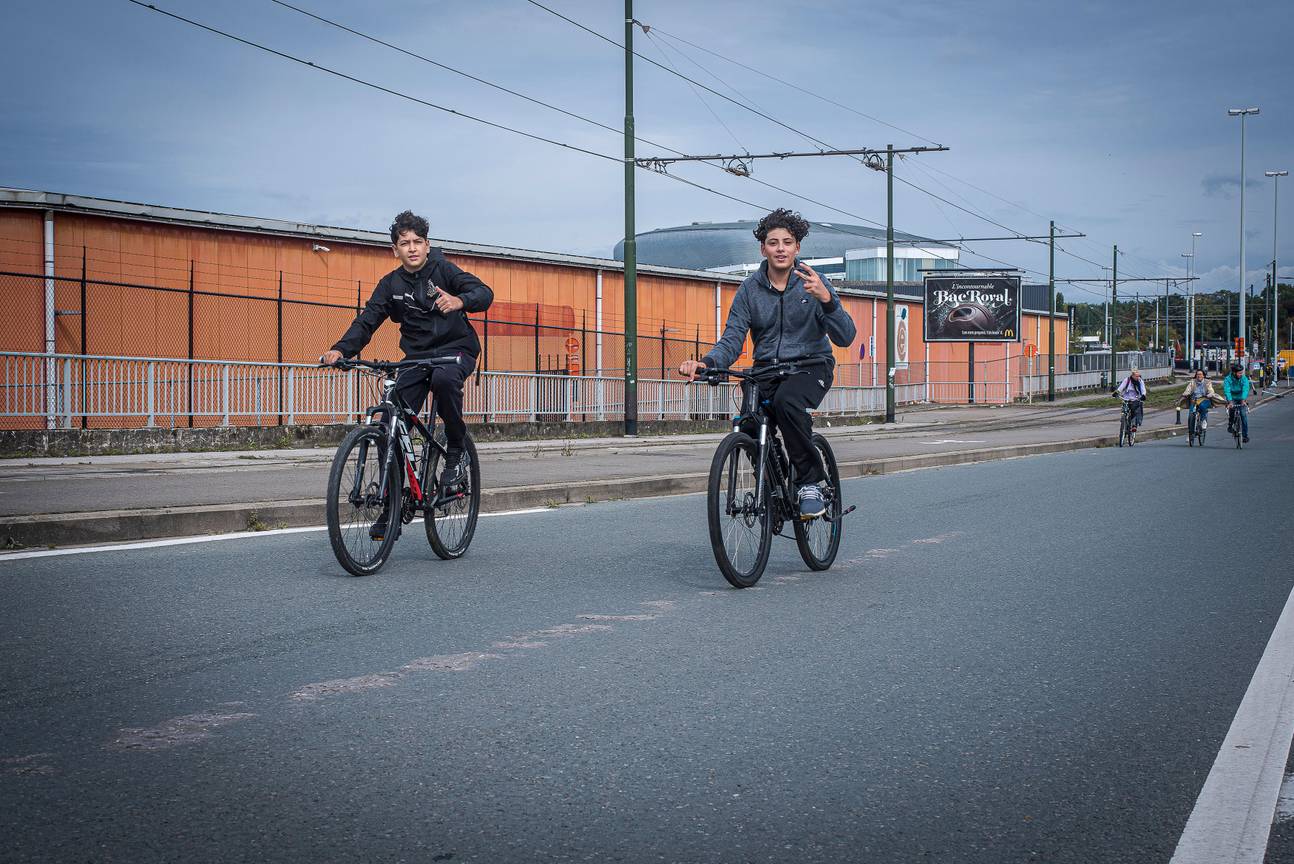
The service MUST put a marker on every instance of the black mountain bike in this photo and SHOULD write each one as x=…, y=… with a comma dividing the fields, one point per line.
x=1233, y=424
x=377, y=471
x=750, y=497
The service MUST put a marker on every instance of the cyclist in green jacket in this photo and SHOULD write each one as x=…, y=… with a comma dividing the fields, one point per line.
x=1236, y=388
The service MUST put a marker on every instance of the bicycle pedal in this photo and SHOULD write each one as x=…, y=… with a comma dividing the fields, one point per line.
x=850, y=509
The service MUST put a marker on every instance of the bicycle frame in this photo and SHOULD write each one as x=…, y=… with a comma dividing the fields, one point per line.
x=399, y=447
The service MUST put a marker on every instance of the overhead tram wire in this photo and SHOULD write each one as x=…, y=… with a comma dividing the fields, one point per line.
x=753, y=110
x=440, y=108
x=794, y=86
x=972, y=211
x=564, y=111
x=697, y=93
x=374, y=86
x=426, y=103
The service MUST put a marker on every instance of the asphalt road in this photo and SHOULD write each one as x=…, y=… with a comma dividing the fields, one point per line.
x=1029, y=660
x=74, y=485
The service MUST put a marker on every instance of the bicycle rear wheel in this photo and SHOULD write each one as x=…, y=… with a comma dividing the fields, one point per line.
x=819, y=538
x=741, y=530
x=354, y=504
x=450, y=528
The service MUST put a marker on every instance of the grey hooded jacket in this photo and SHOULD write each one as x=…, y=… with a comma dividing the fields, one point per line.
x=785, y=325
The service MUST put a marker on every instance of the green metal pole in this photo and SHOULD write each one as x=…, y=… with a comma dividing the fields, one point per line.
x=1114, y=320
x=1051, y=318
x=631, y=245
x=889, y=284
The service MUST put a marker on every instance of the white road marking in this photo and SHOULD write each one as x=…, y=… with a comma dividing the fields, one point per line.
x=211, y=538
x=1285, y=803
x=1233, y=816
x=952, y=441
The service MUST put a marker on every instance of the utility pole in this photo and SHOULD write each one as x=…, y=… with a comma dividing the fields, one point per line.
x=889, y=283
x=1051, y=314
x=1114, y=319
x=1276, y=295
x=631, y=245
x=1242, y=113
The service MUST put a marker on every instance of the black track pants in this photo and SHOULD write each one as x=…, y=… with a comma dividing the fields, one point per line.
x=445, y=383
x=792, y=399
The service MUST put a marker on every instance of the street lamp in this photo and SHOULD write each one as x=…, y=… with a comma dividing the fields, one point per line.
x=1242, y=113
x=1189, y=336
x=1276, y=292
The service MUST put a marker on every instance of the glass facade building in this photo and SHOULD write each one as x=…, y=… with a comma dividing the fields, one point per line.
x=868, y=264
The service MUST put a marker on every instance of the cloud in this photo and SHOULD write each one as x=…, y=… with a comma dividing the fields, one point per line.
x=1223, y=185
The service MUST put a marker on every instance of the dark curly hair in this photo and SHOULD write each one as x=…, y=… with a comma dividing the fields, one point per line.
x=782, y=218
x=407, y=221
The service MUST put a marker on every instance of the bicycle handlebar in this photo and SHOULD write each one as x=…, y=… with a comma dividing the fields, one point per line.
x=390, y=365
x=717, y=375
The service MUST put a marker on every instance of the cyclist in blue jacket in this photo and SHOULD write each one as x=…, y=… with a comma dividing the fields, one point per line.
x=1236, y=389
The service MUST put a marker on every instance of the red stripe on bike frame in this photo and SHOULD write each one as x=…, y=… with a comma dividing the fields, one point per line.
x=413, y=481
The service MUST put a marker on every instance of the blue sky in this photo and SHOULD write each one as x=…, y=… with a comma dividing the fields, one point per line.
x=1108, y=117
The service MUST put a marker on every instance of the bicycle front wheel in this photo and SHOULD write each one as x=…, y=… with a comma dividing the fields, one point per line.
x=1190, y=430
x=354, y=503
x=450, y=527
x=739, y=511
x=819, y=538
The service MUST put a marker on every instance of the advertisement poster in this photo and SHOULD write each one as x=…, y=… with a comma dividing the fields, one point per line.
x=901, y=338
x=969, y=308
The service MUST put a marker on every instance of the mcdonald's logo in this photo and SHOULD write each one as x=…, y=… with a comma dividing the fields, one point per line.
x=1009, y=333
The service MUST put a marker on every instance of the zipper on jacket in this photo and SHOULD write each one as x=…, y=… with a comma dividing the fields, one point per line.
x=781, y=320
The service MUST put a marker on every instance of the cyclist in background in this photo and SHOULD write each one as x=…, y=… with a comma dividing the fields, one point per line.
x=1200, y=388
x=430, y=297
x=1236, y=388
x=1133, y=391
x=791, y=313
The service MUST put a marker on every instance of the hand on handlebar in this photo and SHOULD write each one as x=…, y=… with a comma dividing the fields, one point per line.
x=689, y=369
x=330, y=357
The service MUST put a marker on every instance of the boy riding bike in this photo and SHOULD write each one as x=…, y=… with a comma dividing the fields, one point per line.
x=430, y=298
x=791, y=313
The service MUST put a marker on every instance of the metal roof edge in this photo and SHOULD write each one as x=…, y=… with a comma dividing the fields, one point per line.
x=40, y=200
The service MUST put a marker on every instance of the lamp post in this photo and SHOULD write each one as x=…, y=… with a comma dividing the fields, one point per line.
x=1242, y=113
x=1189, y=336
x=1276, y=291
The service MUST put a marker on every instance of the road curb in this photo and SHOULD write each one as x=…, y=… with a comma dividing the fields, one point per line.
x=112, y=526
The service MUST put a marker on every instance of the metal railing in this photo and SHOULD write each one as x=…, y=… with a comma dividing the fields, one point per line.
x=72, y=390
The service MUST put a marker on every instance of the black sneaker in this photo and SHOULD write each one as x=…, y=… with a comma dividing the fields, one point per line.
x=1244, y=439
x=455, y=470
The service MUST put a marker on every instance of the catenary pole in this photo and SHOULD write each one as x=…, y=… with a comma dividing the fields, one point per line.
x=1051, y=316
x=631, y=246
x=1114, y=319
x=889, y=283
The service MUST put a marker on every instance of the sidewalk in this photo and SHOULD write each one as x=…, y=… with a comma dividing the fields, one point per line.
x=70, y=501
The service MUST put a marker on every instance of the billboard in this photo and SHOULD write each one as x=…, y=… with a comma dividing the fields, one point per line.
x=972, y=308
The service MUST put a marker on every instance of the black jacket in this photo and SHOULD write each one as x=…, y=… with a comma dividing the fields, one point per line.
x=408, y=299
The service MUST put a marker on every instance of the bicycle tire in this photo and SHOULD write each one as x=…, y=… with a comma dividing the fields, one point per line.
x=824, y=532
x=1123, y=428
x=732, y=474
x=1190, y=430
x=450, y=529
x=349, y=522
